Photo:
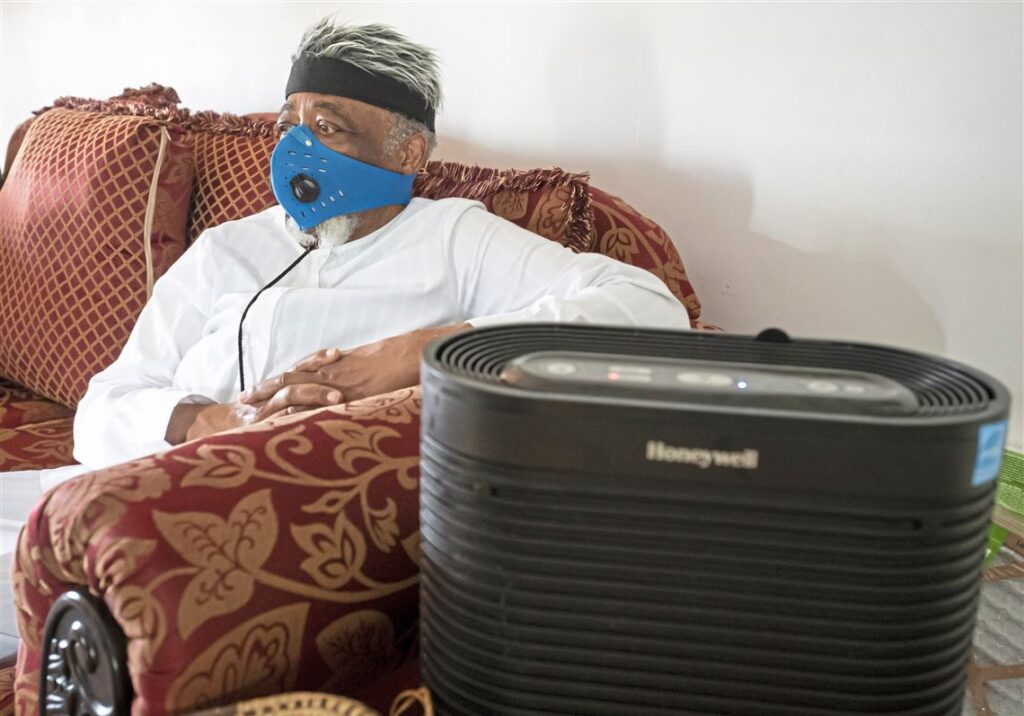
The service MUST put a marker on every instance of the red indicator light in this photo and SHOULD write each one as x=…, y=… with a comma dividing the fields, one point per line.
x=613, y=376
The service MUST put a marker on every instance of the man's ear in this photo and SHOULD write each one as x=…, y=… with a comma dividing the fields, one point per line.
x=413, y=153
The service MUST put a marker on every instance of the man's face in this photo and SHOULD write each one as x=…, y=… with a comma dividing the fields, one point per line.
x=353, y=128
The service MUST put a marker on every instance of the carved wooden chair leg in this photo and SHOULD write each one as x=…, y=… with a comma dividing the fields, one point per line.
x=85, y=664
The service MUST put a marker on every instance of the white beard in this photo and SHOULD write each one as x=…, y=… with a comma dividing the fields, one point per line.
x=332, y=233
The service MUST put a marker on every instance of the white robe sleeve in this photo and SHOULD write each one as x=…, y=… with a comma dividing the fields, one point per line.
x=506, y=274
x=127, y=406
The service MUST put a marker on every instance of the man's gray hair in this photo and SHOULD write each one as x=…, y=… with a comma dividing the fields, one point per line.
x=381, y=50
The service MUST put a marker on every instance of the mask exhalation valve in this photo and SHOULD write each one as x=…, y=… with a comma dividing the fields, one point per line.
x=305, y=189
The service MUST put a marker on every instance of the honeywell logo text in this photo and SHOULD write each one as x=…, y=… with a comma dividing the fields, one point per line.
x=658, y=451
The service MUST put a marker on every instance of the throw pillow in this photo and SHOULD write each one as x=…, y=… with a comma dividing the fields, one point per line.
x=232, y=178
x=92, y=213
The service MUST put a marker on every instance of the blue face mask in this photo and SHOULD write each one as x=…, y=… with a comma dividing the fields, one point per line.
x=314, y=183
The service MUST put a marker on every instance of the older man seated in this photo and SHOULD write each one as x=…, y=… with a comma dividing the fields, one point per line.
x=371, y=274
x=332, y=294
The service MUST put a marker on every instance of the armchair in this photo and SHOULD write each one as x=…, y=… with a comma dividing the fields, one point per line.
x=277, y=557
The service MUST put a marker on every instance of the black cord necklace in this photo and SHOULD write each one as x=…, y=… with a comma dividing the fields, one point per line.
x=241, y=369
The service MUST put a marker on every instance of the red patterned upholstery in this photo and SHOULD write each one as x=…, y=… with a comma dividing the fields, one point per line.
x=228, y=183
x=35, y=433
x=17, y=137
x=245, y=564
x=621, y=232
x=19, y=406
x=93, y=211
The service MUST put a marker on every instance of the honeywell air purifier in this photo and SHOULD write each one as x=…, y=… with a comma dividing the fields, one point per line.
x=625, y=521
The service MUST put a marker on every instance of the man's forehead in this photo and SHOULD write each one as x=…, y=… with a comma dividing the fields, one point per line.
x=342, y=106
x=328, y=104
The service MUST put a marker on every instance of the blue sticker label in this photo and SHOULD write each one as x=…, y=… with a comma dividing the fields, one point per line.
x=991, y=439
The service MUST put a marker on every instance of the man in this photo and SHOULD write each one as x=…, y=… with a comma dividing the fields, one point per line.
x=367, y=288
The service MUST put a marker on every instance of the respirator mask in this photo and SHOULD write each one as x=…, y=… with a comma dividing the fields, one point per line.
x=314, y=183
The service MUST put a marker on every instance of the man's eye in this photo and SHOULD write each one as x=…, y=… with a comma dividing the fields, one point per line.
x=324, y=127
x=281, y=127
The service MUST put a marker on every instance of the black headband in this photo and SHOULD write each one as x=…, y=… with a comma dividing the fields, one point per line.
x=326, y=75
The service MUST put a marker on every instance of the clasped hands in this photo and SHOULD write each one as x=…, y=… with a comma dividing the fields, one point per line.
x=327, y=377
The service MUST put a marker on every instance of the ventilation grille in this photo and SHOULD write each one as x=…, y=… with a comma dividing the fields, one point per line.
x=606, y=601
x=939, y=387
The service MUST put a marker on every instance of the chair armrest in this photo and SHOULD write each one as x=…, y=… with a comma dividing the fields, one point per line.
x=277, y=557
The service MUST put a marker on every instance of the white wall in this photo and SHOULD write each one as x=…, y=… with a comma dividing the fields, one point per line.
x=839, y=170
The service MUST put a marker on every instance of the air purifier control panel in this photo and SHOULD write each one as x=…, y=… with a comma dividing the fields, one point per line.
x=734, y=384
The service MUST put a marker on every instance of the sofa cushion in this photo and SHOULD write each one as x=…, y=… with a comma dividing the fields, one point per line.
x=35, y=433
x=94, y=210
x=232, y=177
x=38, y=446
x=19, y=406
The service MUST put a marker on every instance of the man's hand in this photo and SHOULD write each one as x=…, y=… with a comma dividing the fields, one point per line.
x=326, y=377
x=190, y=421
x=218, y=418
x=196, y=420
x=372, y=369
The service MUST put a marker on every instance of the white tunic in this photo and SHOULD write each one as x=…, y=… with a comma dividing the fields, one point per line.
x=435, y=264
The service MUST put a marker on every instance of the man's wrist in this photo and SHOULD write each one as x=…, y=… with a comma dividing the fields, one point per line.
x=429, y=334
x=182, y=418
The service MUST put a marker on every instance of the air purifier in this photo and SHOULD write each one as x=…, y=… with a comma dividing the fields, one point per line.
x=627, y=521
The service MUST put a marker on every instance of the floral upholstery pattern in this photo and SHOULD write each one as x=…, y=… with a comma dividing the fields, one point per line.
x=621, y=232
x=255, y=562
x=35, y=432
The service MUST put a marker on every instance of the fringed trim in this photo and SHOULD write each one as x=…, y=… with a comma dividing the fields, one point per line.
x=160, y=103
x=226, y=123
x=162, y=113
x=153, y=93
x=445, y=179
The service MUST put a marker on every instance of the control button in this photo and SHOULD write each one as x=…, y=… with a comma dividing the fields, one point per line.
x=629, y=377
x=712, y=380
x=629, y=369
x=822, y=386
x=561, y=368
